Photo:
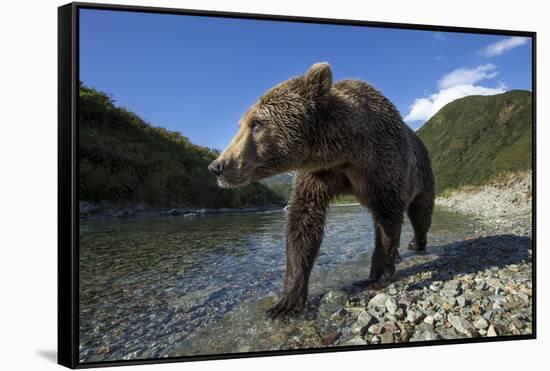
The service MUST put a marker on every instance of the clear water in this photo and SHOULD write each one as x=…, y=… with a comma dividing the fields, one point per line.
x=171, y=286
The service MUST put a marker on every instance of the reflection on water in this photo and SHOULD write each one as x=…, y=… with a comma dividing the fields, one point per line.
x=146, y=285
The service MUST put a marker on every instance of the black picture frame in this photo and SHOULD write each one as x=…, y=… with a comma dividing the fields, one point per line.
x=68, y=173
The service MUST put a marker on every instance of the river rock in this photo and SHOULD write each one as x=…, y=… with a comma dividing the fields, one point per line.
x=435, y=286
x=429, y=319
x=451, y=289
x=364, y=321
x=461, y=325
x=488, y=315
x=357, y=340
x=498, y=299
x=449, y=333
x=496, y=284
x=339, y=314
x=414, y=316
x=491, y=332
x=449, y=303
x=378, y=303
x=481, y=323
x=391, y=305
x=406, y=301
x=244, y=348
x=335, y=297
x=439, y=317
x=523, y=296
x=329, y=338
x=425, y=333
x=517, y=323
x=386, y=337
x=332, y=301
x=365, y=318
x=377, y=329
x=398, y=315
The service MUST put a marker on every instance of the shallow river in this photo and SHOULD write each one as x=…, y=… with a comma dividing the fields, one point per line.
x=171, y=286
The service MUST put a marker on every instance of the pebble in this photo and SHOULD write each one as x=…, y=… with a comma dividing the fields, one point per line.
x=332, y=301
x=425, y=334
x=481, y=323
x=377, y=329
x=364, y=321
x=451, y=289
x=491, y=331
x=378, y=303
x=391, y=306
x=357, y=340
x=517, y=323
x=429, y=319
x=414, y=316
x=386, y=338
x=329, y=338
x=340, y=314
x=461, y=325
x=393, y=290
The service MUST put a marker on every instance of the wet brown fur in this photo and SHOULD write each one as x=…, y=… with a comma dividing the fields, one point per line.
x=344, y=138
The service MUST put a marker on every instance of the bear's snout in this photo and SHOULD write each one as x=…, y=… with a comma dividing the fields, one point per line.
x=216, y=167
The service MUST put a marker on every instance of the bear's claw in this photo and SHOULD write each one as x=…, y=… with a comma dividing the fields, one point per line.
x=285, y=306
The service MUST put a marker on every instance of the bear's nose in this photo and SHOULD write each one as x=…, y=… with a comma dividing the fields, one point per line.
x=216, y=167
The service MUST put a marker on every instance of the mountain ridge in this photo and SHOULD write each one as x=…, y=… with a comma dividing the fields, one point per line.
x=476, y=138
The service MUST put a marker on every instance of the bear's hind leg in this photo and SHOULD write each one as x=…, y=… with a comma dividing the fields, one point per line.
x=385, y=255
x=388, y=217
x=420, y=215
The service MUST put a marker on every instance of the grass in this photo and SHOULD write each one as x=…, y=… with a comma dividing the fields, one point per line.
x=476, y=138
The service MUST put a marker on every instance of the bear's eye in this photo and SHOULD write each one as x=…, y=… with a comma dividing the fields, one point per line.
x=255, y=125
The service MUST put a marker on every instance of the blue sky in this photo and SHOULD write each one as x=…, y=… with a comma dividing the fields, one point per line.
x=198, y=75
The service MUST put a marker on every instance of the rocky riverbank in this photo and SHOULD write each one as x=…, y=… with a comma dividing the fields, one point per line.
x=477, y=287
x=480, y=287
x=503, y=206
x=105, y=210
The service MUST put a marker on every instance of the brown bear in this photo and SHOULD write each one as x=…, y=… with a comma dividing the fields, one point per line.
x=344, y=138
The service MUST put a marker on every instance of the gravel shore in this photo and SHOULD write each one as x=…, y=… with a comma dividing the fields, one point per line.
x=478, y=287
x=503, y=206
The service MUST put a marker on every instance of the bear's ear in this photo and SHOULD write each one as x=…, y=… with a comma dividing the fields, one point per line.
x=318, y=79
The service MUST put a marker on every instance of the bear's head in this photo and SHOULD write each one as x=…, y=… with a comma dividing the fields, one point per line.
x=276, y=133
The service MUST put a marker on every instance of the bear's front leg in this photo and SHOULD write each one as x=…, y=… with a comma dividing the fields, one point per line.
x=309, y=202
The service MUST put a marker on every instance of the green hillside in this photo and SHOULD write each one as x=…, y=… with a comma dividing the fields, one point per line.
x=280, y=184
x=123, y=158
x=476, y=138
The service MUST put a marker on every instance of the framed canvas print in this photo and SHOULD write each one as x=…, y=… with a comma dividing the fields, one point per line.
x=236, y=185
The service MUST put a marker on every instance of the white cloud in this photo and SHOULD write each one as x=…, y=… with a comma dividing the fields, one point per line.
x=424, y=108
x=457, y=84
x=462, y=76
x=502, y=46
